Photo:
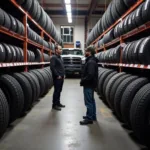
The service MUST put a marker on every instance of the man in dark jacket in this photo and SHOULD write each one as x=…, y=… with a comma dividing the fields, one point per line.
x=58, y=73
x=89, y=82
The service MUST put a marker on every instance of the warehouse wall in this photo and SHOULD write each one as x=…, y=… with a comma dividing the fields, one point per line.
x=79, y=29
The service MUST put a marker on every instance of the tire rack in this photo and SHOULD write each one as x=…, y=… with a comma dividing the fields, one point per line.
x=27, y=41
x=121, y=39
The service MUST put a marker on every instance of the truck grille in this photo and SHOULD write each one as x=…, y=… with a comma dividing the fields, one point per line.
x=72, y=60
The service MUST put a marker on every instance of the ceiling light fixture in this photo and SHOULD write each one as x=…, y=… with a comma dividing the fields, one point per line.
x=67, y=1
x=68, y=8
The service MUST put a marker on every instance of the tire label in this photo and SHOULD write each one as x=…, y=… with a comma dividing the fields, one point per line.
x=143, y=44
x=146, y=4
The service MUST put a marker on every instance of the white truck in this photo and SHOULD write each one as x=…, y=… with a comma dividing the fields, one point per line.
x=73, y=59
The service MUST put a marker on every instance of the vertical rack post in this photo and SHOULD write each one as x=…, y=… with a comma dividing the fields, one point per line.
x=50, y=51
x=42, y=49
x=121, y=51
x=25, y=44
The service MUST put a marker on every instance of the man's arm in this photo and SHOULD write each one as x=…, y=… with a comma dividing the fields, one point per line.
x=52, y=65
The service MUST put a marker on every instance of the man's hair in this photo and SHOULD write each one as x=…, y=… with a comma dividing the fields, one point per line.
x=91, y=49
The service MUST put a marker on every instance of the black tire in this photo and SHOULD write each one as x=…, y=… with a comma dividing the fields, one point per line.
x=145, y=11
x=27, y=90
x=14, y=95
x=14, y=55
x=7, y=21
x=109, y=86
x=2, y=53
x=46, y=80
x=2, y=18
x=128, y=96
x=4, y=113
x=106, y=82
x=18, y=54
x=9, y=54
x=114, y=89
x=139, y=113
x=27, y=4
x=41, y=81
x=144, y=53
x=13, y=24
x=102, y=80
x=129, y=3
x=119, y=92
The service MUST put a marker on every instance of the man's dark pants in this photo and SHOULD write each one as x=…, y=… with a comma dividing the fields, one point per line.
x=90, y=103
x=58, y=85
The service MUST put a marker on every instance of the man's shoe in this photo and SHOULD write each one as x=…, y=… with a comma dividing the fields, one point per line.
x=86, y=122
x=56, y=108
x=86, y=118
x=60, y=105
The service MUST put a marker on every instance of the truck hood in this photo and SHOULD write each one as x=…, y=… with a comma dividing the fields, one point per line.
x=72, y=56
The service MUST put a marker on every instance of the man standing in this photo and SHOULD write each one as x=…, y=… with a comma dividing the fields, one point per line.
x=89, y=82
x=58, y=73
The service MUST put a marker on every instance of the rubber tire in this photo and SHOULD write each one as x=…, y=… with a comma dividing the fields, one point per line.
x=139, y=113
x=119, y=92
x=128, y=96
x=27, y=90
x=14, y=95
x=4, y=113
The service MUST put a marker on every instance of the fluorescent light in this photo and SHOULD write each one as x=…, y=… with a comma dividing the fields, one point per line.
x=67, y=1
x=69, y=15
x=68, y=7
x=70, y=20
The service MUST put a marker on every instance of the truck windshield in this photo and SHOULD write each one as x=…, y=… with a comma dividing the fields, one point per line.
x=72, y=52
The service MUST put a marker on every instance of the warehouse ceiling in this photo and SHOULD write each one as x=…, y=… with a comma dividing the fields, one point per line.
x=80, y=8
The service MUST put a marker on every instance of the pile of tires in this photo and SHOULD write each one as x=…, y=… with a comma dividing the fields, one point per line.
x=110, y=56
x=10, y=53
x=114, y=11
x=137, y=52
x=11, y=23
x=38, y=56
x=42, y=18
x=129, y=97
x=137, y=18
x=19, y=92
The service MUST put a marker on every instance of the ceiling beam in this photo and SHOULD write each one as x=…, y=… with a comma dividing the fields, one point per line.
x=93, y=5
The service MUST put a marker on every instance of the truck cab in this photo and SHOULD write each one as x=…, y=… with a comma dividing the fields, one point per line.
x=72, y=58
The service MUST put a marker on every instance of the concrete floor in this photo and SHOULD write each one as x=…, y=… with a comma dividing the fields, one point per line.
x=46, y=129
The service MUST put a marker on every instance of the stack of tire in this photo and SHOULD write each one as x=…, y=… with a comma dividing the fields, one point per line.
x=19, y=92
x=110, y=56
x=36, y=11
x=114, y=11
x=38, y=56
x=11, y=23
x=129, y=97
x=137, y=52
x=137, y=18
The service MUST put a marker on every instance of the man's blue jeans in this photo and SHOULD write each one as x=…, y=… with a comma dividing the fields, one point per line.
x=90, y=103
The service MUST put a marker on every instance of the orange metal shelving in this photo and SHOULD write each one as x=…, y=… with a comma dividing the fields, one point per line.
x=119, y=20
x=27, y=41
x=121, y=39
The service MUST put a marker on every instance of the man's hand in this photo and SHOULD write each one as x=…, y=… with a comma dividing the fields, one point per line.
x=59, y=77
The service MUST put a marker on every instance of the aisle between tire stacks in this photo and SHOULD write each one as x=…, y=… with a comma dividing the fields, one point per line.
x=46, y=129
